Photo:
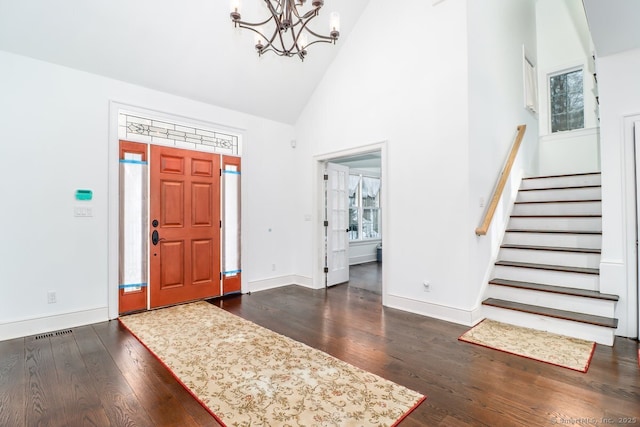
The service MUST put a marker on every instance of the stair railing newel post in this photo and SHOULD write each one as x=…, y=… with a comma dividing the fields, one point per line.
x=504, y=176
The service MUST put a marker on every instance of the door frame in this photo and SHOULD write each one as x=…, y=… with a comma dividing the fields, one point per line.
x=630, y=199
x=113, y=175
x=318, y=275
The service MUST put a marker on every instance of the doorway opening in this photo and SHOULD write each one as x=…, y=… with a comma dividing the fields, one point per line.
x=357, y=219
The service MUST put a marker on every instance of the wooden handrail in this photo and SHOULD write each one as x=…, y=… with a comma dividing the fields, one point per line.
x=497, y=194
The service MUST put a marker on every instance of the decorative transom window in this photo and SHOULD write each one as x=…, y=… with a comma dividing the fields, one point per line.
x=364, y=207
x=566, y=95
x=135, y=127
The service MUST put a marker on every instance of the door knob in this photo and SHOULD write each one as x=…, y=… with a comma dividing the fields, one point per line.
x=155, y=237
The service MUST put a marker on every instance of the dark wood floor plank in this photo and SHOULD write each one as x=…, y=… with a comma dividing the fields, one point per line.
x=82, y=404
x=191, y=406
x=12, y=382
x=138, y=367
x=45, y=406
x=118, y=399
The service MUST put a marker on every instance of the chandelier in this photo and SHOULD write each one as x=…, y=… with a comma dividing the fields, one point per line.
x=286, y=32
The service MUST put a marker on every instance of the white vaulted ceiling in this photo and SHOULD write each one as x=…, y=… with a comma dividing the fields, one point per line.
x=614, y=25
x=188, y=48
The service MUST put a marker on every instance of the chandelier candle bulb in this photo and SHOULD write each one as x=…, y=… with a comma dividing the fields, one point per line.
x=259, y=40
x=235, y=10
x=334, y=24
x=302, y=41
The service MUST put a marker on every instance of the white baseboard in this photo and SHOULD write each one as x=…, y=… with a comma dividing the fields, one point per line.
x=362, y=259
x=40, y=325
x=442, y=312
x=277, y=282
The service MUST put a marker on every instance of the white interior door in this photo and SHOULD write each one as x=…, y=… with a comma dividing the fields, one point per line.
x=337, y=230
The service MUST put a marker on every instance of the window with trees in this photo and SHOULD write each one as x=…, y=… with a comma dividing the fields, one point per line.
x=566, y=95
x=364, y=207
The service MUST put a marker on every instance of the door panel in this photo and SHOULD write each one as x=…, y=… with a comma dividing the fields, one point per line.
x=201, y=205
x=172, y=273
x=172, y=207
x=338, y=229
x=202, y=252
x=185, y=197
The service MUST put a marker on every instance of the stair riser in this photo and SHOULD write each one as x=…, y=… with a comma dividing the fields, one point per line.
x=565, y=181
x=568, y=259
x=589, y=193
x=569, y=208
x=548, y=277
x=556, y=224
x=576, y=304
x=590, y=241
x=599, y=334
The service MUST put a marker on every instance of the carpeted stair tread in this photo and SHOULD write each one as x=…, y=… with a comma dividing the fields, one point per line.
x=551, y=248
x=552, y=312
x=553, y=289
x=584, y=270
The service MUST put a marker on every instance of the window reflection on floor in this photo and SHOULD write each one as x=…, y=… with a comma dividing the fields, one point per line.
x=366, y=276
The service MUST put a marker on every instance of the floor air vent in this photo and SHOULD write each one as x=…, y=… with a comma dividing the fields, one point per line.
x=54, y=334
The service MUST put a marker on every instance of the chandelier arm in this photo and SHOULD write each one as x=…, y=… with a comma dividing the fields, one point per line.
x=310, y=15
x=274, y=11
x=318, y=41
x=269, y=42
x=327, y=38
x=245, y=24
x=252, y=29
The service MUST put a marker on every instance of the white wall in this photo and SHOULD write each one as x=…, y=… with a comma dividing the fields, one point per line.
x=56, y=140
x=619, y=87
x=498, y=30
x=564, y=153
x=361, y=252
x=413, y=91
x=564, y=42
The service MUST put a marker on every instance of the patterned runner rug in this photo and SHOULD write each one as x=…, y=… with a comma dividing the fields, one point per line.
x=244, y=374
x=546, y=347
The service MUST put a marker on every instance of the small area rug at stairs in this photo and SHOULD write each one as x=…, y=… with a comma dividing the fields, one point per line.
x=244, y=374
x=559, y=350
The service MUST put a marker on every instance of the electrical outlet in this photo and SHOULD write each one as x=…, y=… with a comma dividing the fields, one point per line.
x=51, y=297
x=273, y=267
x=426, y=286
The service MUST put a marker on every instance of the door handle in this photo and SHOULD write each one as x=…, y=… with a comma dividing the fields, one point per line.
x=155, y=237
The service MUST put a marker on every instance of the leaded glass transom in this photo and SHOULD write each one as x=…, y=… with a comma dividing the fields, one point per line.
x=144, y=129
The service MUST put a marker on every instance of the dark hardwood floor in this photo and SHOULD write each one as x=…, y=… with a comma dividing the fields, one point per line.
x=99, y=375
x=366, y=276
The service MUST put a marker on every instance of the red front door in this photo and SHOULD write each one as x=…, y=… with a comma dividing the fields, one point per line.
x=184, y=226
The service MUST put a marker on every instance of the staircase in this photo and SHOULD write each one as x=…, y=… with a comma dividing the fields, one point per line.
x=547, y=273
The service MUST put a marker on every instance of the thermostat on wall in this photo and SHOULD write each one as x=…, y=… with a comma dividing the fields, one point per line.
x=84, y=194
